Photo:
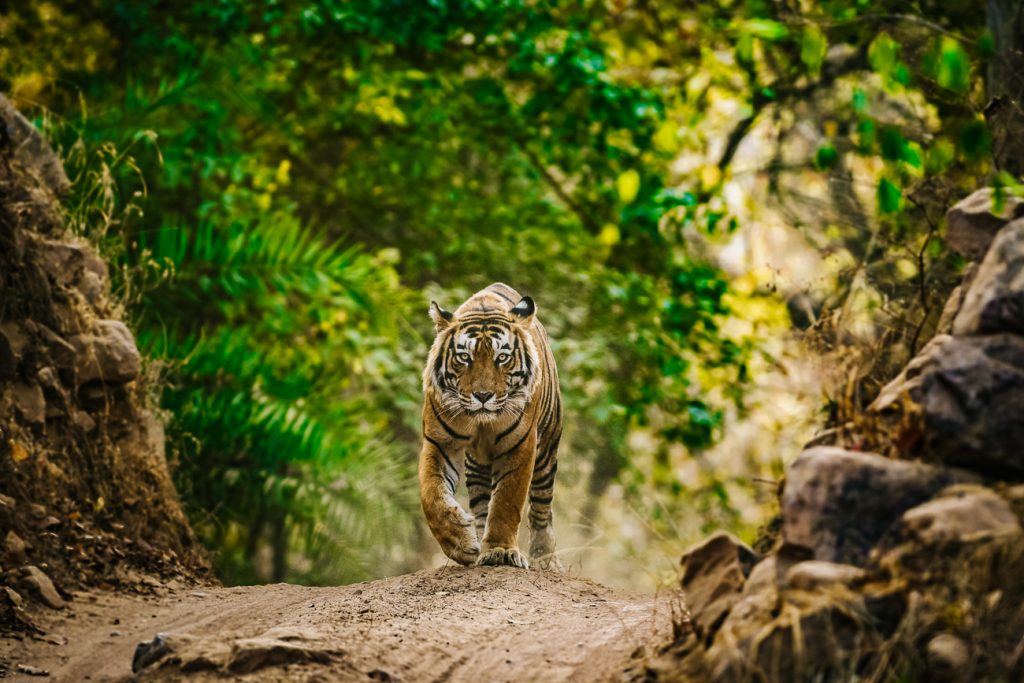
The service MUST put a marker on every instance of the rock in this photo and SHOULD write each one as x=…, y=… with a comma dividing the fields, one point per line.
x=12, y=347
x=75, y=265
x=28, y=399
x=83, y=420
x=840, y=504
x=973, y=222
x=963, y=513
x=968, y=393
x=109, y=355
x=814, y=574
x=30, y=670
x=62, y=353
x=948, y=658
x=995, y=300
x=34, y=578
x=14, y=547
x=956, y=300
x=251, y=654
x=714, y=572
x=14, y=597
x=32, y=150
x=149, y=651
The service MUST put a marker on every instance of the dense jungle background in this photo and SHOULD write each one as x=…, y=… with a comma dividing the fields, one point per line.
x=729, y=213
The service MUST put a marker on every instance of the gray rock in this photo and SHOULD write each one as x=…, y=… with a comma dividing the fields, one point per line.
x=109, y=355
x=714, y=572
x=840, y=504
x=34, y=579
x=995, y=300
x=813, y=574
x=151, y=651
x=948, y=658
x=28, y=399
x=72, y=264
x=31, y=149
x=962, y=513
x=973, y=222
x=969, y=395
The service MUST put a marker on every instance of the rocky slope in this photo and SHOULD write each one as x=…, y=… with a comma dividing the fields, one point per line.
x=905, y=566
x=85, y=494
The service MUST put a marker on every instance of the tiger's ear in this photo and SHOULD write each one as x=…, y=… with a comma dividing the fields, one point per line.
x=524, y=310
x=441, y=317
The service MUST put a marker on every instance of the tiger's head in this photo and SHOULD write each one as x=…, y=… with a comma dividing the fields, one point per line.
x=483, y=364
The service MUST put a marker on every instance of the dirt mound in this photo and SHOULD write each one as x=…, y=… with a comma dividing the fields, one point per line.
x=453, y=624
x=85, y=494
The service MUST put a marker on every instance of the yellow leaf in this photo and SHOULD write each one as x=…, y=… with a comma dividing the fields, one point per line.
x=666, y=139
x=18, y=452
x=710, y=176
x=628, y=184
x=99, y=505
x=609, y=235
x=282, y=172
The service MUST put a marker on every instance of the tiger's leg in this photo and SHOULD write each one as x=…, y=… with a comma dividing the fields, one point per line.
x=510, y=476
x=478, y=483
x=542, y=489
x=448, y=522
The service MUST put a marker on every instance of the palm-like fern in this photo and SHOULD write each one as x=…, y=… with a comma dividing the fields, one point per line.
x=266, y=326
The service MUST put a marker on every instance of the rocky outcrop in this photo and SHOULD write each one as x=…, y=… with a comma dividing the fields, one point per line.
x=972, y=223
x=85, y=491
x=994, y=302
x=906, y=565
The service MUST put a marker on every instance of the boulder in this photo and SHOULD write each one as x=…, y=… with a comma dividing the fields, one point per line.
x=839, y=504
x=964, y=514
x=973, y=222
x=32, y=150
x=108, y=355
x=994, y=302
x=714, y=572
x=969, y=395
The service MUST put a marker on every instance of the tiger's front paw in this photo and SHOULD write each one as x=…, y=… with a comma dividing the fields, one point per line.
x=458, y=538
x=496, y=557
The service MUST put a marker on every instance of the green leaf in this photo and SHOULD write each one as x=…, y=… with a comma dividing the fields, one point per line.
x=745, y=48
x=954, y=71
x=939, y=157
x=889, y=196
x=812, y=48
x=765, y=28
x=860, y=101
x=975, y=141
x=883, y=54
x=826, y=157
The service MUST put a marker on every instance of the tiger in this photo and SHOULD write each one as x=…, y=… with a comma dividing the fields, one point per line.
x=492, y=410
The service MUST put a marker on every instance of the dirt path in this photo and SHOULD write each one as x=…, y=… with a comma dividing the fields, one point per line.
x=452, y=624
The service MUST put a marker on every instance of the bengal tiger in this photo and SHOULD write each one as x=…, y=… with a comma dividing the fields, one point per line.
x=492, y=409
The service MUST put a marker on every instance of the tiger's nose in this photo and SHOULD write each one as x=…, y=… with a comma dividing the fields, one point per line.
x=483, y=396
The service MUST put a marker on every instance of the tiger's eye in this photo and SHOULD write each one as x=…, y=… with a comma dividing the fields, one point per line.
x=503, y=358
x=463, y=358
